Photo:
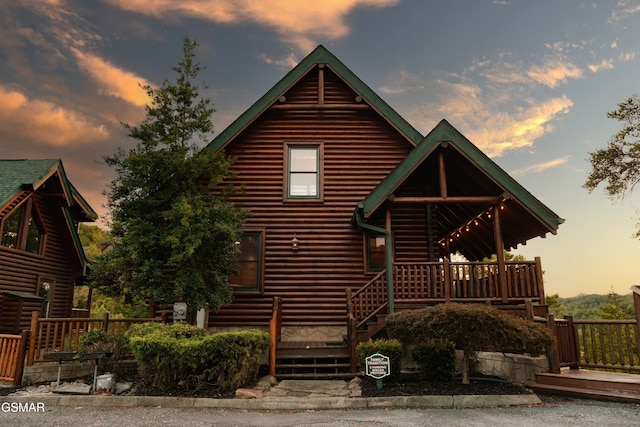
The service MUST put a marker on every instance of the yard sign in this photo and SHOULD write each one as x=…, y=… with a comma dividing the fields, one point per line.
x=378, y=367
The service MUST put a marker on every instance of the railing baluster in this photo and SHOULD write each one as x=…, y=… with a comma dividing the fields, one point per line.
x=618, y=336
x=629, y=341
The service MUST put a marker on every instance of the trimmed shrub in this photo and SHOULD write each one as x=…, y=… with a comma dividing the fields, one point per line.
x=181, y=355
x=472, y=328
x=176, y=330
x=436, y=359
x=390, y=348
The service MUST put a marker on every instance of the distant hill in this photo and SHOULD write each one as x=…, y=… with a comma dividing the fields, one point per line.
x=593, y=306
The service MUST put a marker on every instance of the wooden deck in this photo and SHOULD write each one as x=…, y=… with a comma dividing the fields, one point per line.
x=598, y=385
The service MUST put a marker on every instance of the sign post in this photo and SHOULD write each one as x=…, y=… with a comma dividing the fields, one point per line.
x=378, y=367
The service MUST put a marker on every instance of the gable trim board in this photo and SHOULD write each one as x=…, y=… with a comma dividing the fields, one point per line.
x=320, y=55
x=445, y=132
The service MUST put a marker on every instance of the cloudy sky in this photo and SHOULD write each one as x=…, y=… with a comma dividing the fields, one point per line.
x=529, y=82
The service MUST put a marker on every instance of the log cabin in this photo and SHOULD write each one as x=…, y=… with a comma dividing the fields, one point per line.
x=355, y=214
x=41, y=258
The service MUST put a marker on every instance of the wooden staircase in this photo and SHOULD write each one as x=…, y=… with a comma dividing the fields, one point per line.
x=596, y=385
x=306, y=360
x=372, y=328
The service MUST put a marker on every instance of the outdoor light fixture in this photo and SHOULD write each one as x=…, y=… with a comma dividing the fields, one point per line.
x=295, y=244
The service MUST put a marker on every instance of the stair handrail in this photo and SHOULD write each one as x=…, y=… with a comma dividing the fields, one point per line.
x=362, y=313
x=275, y=333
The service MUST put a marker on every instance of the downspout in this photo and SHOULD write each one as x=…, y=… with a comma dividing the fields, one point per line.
x=389, y=250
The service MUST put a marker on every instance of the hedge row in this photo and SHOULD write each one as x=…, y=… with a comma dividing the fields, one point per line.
x=181, y=354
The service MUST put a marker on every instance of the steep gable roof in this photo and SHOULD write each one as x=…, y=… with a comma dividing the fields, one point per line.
x=539, y=218
x=18, y=175
x=320, y=55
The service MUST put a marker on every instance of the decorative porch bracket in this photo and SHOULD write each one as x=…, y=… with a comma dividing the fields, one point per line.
x=389, y=253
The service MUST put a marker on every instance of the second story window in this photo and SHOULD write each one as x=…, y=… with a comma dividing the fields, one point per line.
x=22, y=229
x=303, y=171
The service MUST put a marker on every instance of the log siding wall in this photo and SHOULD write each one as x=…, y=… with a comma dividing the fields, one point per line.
x=21, y=271
x=360, y=148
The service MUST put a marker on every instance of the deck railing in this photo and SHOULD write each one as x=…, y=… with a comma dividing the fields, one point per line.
x=439, y=282
x=447, y=281
x=601, y=344
x=12, y=354
x=64, y=334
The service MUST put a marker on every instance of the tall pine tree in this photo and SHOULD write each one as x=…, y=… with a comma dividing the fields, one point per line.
x=174, y=238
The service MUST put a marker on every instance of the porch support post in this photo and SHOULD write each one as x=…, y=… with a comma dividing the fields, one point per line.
x=389, y=250
x=497, y=237
x=635, y=289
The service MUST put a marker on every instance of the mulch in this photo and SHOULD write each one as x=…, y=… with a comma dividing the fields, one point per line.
x=414, y=385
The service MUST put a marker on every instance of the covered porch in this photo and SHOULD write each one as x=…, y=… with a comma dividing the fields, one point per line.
x=518, y=286
x=446, y=216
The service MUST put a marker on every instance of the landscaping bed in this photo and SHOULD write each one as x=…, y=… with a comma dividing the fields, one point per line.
x=413, y=385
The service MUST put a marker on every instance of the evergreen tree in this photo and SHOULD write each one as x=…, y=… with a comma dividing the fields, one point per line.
x=174, y=238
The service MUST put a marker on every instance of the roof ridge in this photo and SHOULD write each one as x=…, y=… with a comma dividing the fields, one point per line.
x=320, y=55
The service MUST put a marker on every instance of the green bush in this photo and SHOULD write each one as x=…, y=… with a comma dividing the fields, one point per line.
x=177, y=330
x=472, y=328
x=180, y=355
x=436, y=359
x=390, y=348
x=99, y=341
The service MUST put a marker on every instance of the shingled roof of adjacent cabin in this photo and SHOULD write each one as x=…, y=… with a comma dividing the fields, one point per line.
x=17, y=175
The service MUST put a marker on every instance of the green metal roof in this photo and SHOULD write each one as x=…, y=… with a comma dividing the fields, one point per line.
x=320, y=55
x=445, y=132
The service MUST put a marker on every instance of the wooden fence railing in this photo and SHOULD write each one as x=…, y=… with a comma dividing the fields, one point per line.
x=447, y=281
x=608, y=344
x=12, y=353
x=438, y=282
x=64, y=334
x=601, y=344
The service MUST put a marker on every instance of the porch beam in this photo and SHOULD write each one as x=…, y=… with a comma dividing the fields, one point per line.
x=497, y=235
x=324, y=106
x=454, y=199
x=442, y=173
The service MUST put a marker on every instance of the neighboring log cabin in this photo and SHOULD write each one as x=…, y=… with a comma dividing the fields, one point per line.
x=41, y=258
x=355, y=213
